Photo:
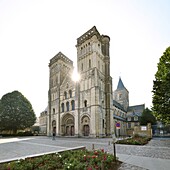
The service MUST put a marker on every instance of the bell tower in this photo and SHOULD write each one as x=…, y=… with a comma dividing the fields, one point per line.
x=95, y=86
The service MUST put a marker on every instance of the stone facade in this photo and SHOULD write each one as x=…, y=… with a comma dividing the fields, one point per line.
x=82, y=108
x=43, y=121
x=85, y=107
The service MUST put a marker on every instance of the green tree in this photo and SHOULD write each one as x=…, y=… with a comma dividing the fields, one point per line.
x=161, y=89
x=147, y=117
x=16, y=112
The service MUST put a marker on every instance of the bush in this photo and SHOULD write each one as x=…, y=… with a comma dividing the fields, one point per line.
x=135, y=140
x=26, y=133
x=72, y=160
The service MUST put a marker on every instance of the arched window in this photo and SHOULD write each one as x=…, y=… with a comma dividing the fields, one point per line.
x=72, y=105
x=67, y=105
x=53, y=111
x=81, y=66
x=62, y=107
x=89, y=63
x=85, y=103
x=65, y=95
x=70, y=93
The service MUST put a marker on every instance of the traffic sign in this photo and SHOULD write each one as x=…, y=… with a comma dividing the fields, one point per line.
x=118, y=125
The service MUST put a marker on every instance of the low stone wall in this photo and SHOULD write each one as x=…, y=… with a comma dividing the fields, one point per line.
x=143, y=130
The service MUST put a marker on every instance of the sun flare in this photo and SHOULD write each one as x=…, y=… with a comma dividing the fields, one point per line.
x=75, y=76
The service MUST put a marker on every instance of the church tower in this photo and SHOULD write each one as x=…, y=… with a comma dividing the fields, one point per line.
x=60, y=67
x=95, y=85
x=121, y=95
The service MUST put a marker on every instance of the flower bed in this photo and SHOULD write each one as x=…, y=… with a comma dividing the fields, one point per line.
x=135, y=140
x=73, y=160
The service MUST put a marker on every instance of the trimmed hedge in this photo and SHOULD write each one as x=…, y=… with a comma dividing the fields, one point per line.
x=135, y=140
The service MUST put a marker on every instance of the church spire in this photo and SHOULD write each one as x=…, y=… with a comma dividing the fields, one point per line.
x=120, y=84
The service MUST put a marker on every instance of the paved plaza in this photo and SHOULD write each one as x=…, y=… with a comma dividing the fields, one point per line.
x=153, y=156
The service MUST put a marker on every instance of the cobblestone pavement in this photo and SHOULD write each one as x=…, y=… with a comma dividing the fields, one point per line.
x=125, y=166
x=22, y=147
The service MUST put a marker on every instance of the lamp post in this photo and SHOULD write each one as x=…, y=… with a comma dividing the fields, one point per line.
x=114, y=140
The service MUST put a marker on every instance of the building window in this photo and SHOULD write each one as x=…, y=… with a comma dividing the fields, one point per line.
x=129, y=118
x=99, y=65
x=70, y=93
x=65, y=95
x=103, y=123
x=85, y=103
x=136, y=123
x=89, y=63
x=129, y=125
x=120, y=96
x=53, y=111
x=81, y=66
x=67, y=105
x=135, y=118
x=62, y=107
x=72, y=105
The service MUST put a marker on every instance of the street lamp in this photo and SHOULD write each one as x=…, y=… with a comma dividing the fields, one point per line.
x=114, y=140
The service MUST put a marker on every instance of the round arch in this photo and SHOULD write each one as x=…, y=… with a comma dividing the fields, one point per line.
x=67, y=125
x=54, y=126
x=85, y=125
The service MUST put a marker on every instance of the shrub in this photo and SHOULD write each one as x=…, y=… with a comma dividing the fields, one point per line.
x=135, y=140
x=68, y=160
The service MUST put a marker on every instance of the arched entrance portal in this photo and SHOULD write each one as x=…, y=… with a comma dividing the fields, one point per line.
x=85, y=126
x=68, y=125
x=86, y=130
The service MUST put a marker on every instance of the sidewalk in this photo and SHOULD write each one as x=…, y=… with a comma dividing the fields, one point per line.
x=145, y=162
x=155, y=156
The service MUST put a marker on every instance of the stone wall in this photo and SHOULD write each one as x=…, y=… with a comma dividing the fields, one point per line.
x=143, y=130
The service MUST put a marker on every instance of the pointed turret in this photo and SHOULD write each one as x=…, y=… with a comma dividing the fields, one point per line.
x=121, y=95
x=120, y=84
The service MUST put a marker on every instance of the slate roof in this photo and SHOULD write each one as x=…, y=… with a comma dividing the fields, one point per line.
x=118, y=105
x=120, y=84
x=119, y=118
x=135, y=110
x=136, y=107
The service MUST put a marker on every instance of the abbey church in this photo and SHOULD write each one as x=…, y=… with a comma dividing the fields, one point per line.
x=87, y=107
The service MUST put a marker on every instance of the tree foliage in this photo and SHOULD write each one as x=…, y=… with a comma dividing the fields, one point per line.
x=147, y=117
x=161, y=89
x=16, y=112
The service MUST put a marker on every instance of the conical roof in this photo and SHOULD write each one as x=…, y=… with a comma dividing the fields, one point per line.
x=120, y=84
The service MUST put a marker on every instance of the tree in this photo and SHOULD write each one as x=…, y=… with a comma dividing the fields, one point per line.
x=147, y=117
x=161, y=89
x=16, y=112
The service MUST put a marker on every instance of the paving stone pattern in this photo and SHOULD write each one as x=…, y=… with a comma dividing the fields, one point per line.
x=156, y=148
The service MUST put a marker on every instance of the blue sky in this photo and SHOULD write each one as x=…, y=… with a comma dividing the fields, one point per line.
x=33, y=31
